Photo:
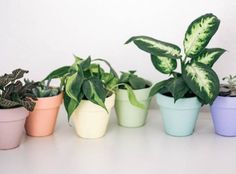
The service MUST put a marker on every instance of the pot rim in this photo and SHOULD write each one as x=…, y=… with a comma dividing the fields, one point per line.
x=185, y=98
x=51, y=97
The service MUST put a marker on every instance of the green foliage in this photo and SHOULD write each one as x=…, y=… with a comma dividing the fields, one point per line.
x=229, y=89
x=43, y=89
x=134, y=81
x=196, y=78
x=13, y=93
x=85, y=80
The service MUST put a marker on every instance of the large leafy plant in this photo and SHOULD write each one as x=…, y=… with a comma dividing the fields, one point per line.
x=196, y=76
x=13, y=93
x=134, y=81
x=85, y=80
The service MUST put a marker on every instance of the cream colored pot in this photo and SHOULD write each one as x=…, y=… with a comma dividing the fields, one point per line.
x=91, y=120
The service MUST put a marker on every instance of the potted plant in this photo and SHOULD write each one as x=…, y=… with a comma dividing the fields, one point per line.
x=129, y=115
x=223, y=110
x=89, y=95
x=180, y=97
x=42, y=121
x=15, y=103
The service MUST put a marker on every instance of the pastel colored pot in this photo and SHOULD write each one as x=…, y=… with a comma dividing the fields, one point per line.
x=223, y=112
x=91, y=120
x=129, y=115
x=12, y=127
x=41, y=122
x=179, y=117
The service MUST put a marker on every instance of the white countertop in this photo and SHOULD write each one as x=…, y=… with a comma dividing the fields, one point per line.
x=145, y=150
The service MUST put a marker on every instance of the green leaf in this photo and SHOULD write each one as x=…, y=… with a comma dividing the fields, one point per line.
x=73, y=86
x=58, y=73
x=5, y=103
x=156, y=47
x=137, y=82
x=209, y=56
x=85, y=64
x=95, y=92
x=132, y=98
x=202, y=80
x=177, y=87
x=158, y=87
x=199, y=33
x=164, y=64
x=70, y=104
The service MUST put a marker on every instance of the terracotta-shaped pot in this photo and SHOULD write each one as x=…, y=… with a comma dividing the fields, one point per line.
x=179, y=117
x=129, y=115
x=12, y=127
x=91, y=120
x=42, y=121
x=223, y=112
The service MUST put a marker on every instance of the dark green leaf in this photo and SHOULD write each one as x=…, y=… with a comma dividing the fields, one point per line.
x=58, y=73
x=158, y=88
x=137, y=82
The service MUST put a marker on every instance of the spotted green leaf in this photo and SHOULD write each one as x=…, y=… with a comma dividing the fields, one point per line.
x=156, y=47
x=202, y=80
x=164, y=64
x=199, y=33
x=209, y=56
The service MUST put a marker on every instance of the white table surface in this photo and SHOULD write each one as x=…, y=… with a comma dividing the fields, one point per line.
x=145, y=150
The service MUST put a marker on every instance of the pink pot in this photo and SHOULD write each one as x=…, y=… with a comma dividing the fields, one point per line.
x=41, y=122
x=12, y=127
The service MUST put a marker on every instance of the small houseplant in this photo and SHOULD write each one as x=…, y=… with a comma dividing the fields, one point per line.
x=223, y=109
x=42, y=121
x=181, y=96
x=89, y=95
x=129, y=115
x=15, y=103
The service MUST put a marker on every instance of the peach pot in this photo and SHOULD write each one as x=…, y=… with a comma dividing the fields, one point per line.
x=41, y=122
x=91, y=120
x=12, y=127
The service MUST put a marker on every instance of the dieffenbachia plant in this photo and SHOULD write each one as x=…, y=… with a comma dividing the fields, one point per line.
x=13, y=93
x=228, y=89
x=133, y=80
x=84, y=80
x=197, y=77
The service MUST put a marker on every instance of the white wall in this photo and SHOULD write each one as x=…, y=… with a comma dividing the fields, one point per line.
x=42, y=35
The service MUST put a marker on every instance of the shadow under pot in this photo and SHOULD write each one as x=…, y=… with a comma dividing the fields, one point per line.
x=41, y=122
x=90, y=120
x=223, y=112
x=12, y=127
x=179, y=117
x=129, y=115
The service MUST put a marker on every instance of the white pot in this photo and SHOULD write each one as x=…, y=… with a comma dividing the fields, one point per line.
x=91, y=120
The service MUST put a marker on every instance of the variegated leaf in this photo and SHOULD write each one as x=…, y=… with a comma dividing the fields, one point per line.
x=199, y=34
x=202, y=80
x=156, y=47
x=164, y=64
x=209, y=56
x=5, y=103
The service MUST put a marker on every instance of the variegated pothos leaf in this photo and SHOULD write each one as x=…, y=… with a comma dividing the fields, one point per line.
x=156, y=47
x=199, y=34
x=209, y=56
x=202, y=80
x=164, y=64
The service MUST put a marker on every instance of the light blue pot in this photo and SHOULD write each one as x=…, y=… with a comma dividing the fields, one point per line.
x=180, y=117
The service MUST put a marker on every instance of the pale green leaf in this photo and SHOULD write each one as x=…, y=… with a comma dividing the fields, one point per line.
x=164, y=64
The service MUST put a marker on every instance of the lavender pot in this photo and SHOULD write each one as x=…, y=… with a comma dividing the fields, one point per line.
x=223, y=112
x=12, y=127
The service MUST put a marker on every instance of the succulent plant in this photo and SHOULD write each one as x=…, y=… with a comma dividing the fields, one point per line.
x=44, y=89
x=86, y=80
x=13, y=93
x=196, y=77
x=134, y=81
x=230, y=88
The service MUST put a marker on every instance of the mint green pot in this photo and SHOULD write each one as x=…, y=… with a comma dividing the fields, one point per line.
x=129, y=115
x=180, y=117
